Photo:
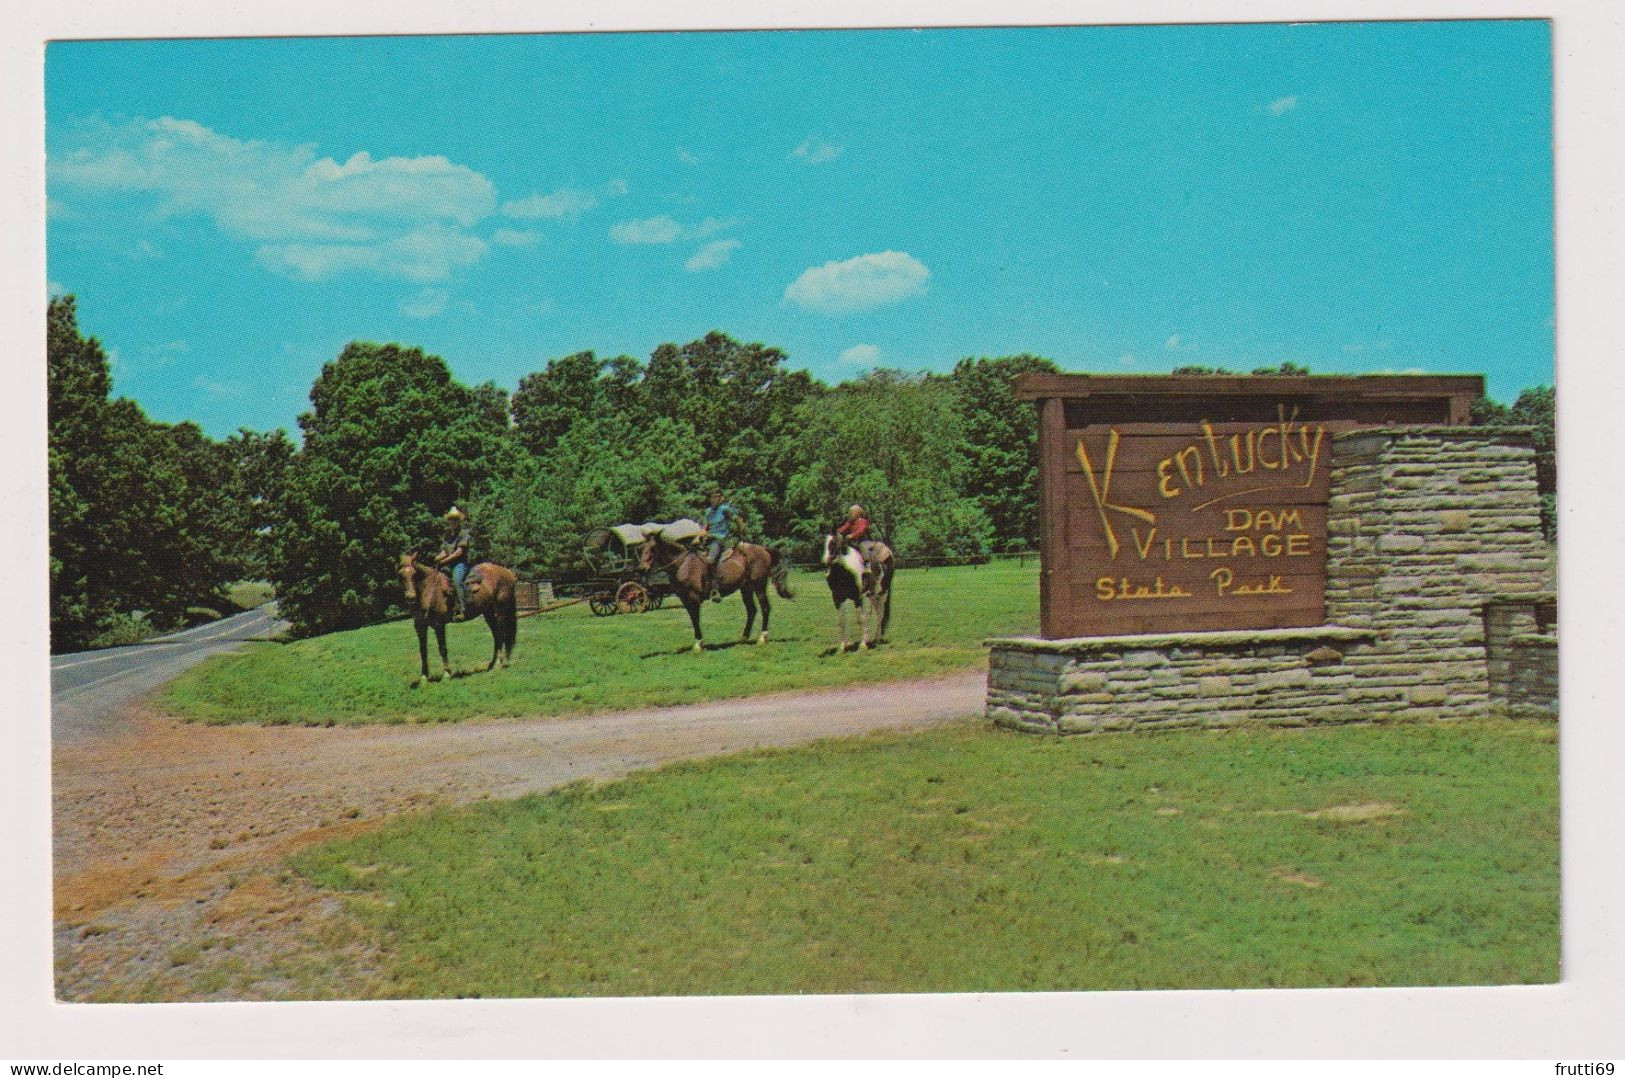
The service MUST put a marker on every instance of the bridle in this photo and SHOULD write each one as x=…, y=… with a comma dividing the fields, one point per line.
x=658, y=542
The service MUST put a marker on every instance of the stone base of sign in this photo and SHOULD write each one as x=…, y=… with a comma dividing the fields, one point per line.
x=1276, y=677
x=1531, y=691
x=1427, y=529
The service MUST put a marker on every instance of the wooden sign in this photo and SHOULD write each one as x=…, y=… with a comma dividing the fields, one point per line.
x=1178, y=508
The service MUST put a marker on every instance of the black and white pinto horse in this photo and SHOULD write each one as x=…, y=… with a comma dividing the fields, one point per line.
x=850, y=584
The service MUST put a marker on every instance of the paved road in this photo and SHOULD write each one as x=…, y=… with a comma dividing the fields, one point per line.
x=88, y=688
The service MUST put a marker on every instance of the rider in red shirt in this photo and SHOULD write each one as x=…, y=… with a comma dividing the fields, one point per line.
x=854, y=530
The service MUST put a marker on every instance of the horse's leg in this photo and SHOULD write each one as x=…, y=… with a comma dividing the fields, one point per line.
x=840, y=613
x=885, y=607
x=693, y=608
x=440, y=638
x=494, y=623
x=750, y=610
x=423, y=649
x=767, y=610
x=863, y=623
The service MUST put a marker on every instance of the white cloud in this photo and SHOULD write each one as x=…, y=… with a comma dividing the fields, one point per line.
x=565, y=202
x=156, y=356
x=54, y=289
x=859, y=284
x=147, y=249
x=1178, y=343
x=313, y=215
x=1126, y=360
x=688, y=157
x=708, y=227
x=426, y=303
x=1282, y=104
x=215, y=388
x=864, y=355
x=815, y=152
x=661, y=229
x=428, y=254
x=665, y=229
x=711, y=255
x=514, y=237
x=1396, y=370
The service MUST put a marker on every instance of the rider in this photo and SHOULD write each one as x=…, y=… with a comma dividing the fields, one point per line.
x=454, y=555
x=719, y=515
x=855, y=529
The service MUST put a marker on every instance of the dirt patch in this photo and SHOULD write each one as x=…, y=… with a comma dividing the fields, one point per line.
x=1358, y=813
x=1370, y=810
x=169, y=837
x=1287, y=875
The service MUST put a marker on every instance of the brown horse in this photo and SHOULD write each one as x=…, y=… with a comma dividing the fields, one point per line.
x=874, y=587
x=747, y=569
x=433, y=600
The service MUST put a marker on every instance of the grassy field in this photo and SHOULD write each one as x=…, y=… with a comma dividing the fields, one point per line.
x=569, y=662
x=969, y=859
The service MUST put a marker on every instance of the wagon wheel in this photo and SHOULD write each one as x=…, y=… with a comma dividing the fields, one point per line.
x=602, y=604
x=632, y=598
x=655, y=599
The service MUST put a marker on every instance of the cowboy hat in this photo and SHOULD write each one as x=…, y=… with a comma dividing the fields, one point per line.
x=455, y=513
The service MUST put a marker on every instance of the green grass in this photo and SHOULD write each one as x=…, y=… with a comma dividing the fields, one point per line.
x=967, y=859
x=569, y=662
x=248, y=594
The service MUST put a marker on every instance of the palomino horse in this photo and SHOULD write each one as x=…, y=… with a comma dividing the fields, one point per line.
x=848, y=585
x=433, y=600
x=747, y=569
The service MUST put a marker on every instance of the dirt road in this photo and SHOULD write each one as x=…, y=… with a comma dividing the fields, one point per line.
x=168, y=836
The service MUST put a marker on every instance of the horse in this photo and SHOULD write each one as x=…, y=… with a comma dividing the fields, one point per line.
x=747, y=568
x=847, y=585
x=432, y=598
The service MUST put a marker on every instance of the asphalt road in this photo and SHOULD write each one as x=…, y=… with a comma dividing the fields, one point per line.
x=88, y=688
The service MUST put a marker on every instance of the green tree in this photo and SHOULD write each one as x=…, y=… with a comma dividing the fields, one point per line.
x=256, y=474
x=139, y=521
x=548, y=402
x=999, y=444
x=743, y=404
x=606, y=470
x=890, y=442
x=390, y=443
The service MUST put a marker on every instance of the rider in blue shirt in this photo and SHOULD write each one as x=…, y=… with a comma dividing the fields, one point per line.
x=719, y=515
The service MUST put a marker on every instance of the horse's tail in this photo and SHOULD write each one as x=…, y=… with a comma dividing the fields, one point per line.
x=779, y=573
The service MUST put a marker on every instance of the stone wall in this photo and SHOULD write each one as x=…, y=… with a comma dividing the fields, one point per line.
x=1532, y=687
x=1425, y=524
x=1520, y=651
x=1285, y=677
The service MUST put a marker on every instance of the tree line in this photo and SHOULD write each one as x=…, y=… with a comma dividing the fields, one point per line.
x=158, y=518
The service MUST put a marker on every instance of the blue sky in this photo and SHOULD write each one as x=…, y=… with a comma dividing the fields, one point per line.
x=1356, y=197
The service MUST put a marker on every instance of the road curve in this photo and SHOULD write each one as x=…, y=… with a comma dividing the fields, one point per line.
x=89, y=689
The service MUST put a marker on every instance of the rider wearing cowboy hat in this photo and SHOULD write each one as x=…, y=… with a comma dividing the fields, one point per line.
x=454, y=555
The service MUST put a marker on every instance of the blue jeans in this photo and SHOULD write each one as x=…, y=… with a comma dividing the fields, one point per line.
x=459, y=573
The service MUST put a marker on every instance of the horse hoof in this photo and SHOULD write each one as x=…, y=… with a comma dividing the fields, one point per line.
x=762, y=639
x=697, y=648
x=864, y=646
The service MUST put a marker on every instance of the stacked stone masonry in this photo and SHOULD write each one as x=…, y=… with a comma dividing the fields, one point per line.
x=1425, y=525
x=1520, y=644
